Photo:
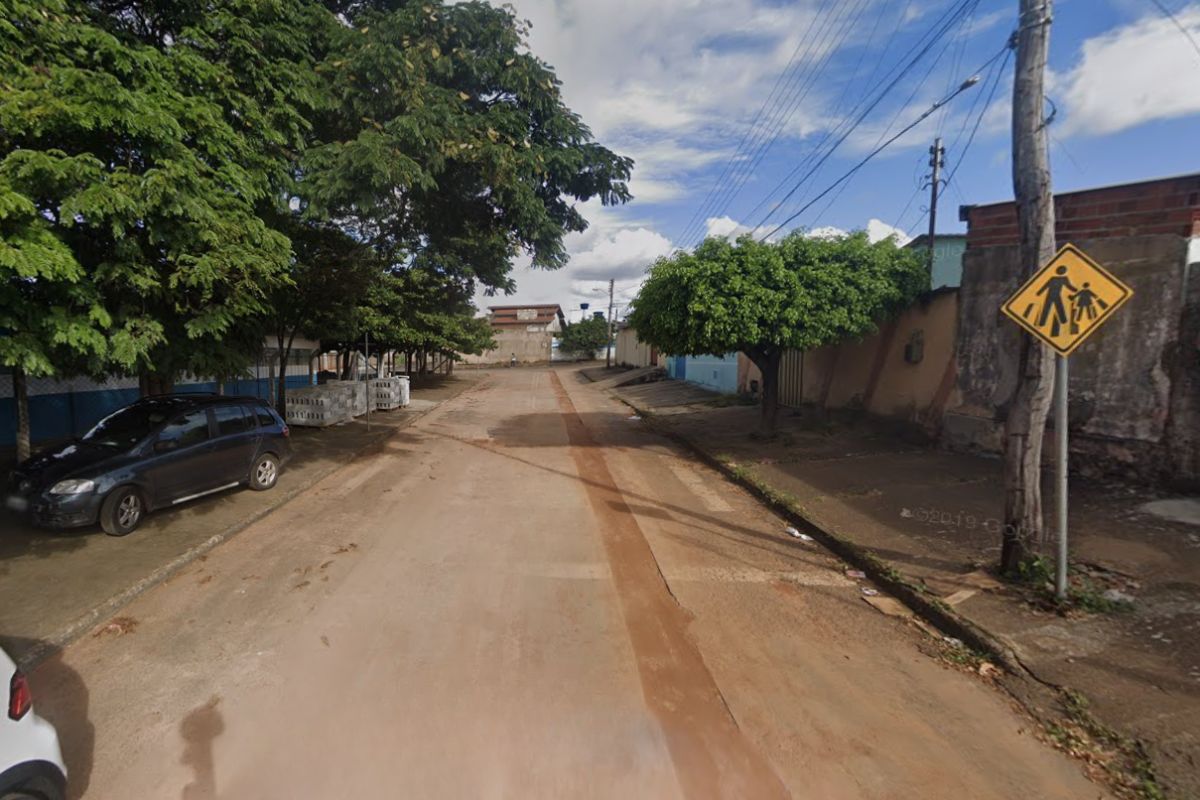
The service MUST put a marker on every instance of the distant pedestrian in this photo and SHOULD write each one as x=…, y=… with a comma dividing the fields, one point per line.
x=512, y=362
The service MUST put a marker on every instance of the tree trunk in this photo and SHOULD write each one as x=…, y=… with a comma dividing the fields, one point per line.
x=154, y=383
x=768, y=361
x=1025, y=424
x=21, y=399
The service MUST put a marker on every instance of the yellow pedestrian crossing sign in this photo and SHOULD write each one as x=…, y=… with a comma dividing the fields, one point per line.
x=1067, y=300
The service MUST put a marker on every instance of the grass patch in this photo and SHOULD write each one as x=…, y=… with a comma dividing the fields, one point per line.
x=1121, y=761
x=1086, y=588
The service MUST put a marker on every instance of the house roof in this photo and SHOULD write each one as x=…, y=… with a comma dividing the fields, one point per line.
x=534, y=314
x=923, y=239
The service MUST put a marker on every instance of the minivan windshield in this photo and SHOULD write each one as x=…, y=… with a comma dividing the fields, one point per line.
x=128, y=426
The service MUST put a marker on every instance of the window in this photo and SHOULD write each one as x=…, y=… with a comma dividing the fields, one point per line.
x=265, y=418
x=126, y=427
x=185, y=431
x=231, y=419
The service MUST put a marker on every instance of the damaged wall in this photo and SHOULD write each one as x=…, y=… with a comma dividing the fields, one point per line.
x=1135, y=384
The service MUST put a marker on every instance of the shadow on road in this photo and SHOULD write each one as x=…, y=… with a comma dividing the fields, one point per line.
x=199, y=728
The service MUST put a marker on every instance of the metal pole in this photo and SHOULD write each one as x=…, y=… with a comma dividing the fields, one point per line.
x=609, y=328
x=1060, y=493
x=367, y=374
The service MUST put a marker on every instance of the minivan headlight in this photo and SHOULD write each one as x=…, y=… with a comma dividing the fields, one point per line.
x=72, y=486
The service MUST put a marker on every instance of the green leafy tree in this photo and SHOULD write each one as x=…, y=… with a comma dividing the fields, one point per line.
x=145, y=136
x=449, y=139
x=330, y=277
x=763, y=299
x=584, y=337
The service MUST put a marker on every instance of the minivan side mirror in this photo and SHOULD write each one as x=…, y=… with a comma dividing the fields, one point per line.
x=165, y=445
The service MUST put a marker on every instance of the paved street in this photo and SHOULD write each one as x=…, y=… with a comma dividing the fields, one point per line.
x=527, y=594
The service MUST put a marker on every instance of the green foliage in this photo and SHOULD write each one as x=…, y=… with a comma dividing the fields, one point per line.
x=753, y=297
x=584, y=337
x=764, y=298
x=179, y=177
x=145, y=158
x=446, y=136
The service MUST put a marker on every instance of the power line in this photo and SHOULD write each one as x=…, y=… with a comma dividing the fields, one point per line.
x=903, y=106
x=841, y=98
x=785, y=76
x=895, y=118
x=1171, y=16
x=967, y=84
x=799, y=86
x=828, y=133
x=878, y=99
x=983, y=112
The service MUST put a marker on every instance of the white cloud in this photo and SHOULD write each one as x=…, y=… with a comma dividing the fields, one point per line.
x=619, y=254
x=1138, y=73
x=877, y=230
x=616, y=245
x=731, y=228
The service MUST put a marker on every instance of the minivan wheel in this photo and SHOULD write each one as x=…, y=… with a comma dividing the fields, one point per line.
x=122, y=511
x=264, y=473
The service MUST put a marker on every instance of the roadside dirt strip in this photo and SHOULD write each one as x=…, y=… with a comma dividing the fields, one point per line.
x=711, y=755
x=528, y=594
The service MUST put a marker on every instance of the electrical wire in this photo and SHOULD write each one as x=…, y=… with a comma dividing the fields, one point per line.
x=871, y=79
x=800, y=86
x=928, y=113
x=878, y=99
x=732, y=195
x=853, y=119
x=805, y=46
x=983, y=112
x=1171, y=16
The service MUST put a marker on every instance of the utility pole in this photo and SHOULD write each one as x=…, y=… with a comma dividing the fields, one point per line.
x=608, y=343
x=937, y=160
x=1025, y=424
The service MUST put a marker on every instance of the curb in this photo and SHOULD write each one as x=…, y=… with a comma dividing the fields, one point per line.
x=932, y=610
x=105, y=610
x=1042, y=700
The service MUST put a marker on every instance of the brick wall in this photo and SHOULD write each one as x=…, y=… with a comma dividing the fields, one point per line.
x=1134, y=409
x=1170, y=206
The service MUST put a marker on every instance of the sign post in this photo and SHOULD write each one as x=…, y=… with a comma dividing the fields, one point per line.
x=1061, y=448
x=1062, y=305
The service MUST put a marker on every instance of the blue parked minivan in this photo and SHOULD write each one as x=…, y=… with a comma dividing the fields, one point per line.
x=157, y=452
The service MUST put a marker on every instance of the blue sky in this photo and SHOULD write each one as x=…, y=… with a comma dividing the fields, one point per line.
x=677, y=84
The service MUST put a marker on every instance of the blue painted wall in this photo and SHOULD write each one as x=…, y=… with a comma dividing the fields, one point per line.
x=718, y=373
x=66, y=414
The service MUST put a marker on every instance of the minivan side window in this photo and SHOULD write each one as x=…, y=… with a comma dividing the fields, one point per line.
x=231, y=419
x=185, y=431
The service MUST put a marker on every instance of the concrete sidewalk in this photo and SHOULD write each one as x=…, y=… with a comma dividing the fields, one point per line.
x=55, y=586
x=934, y=518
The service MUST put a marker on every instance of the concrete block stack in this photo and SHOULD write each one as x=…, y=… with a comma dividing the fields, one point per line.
x=320, y=406
x=386, y=394
x=359, y=395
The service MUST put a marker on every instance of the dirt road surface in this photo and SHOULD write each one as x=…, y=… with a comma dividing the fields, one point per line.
x=527, y=594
